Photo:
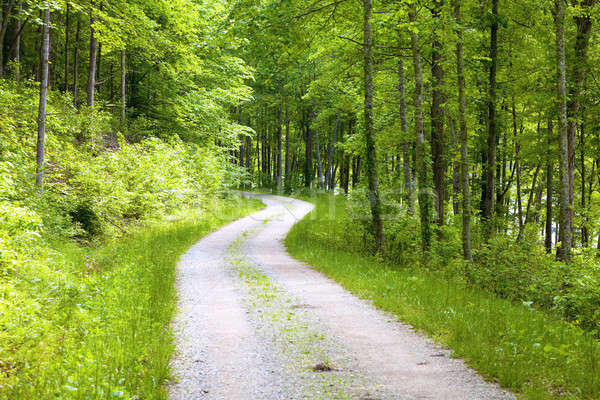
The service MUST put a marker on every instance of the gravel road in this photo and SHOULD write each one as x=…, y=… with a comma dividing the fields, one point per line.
x=254, y=324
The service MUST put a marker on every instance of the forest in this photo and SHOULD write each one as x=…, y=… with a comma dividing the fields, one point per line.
x=451, y=149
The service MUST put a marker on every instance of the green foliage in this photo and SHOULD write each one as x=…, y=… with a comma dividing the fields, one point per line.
x=579, y=297
x=514, y=269
x=87, y=267
x=89, y=182
x=84, y=216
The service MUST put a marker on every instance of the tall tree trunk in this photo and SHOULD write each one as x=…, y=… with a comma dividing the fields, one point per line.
x=345, y=168
x=123, y=87
x=409, y=186
x=268, y=157
x=345, y=173
x=319, y=162
x=333, y=175
x=248, y=147
x=463, y=137
x=564, y=251
x=438, y=140
x=549, y=194
x=294, y=166
x=17, y=43
x=420, y=156
x=41, y=133
x=67, y=37
x=258, y=155
x=91, y=87
x=241, y=151
x=356, y=167
x=455, y=167
x=408, y=183
x=519, y=202
x=288, y=183
x=371, y=154
x=330, y=151
x=582, y=39
x=308, y=167
x=76, y=65
x=279, y=151
x=261, y=167
x=490, y=182
x=584, y=228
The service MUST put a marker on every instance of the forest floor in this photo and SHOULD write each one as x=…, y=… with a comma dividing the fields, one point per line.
x=254, y=323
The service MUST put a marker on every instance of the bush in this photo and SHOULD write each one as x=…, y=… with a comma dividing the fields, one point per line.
x=84, y=215
x=509, y=268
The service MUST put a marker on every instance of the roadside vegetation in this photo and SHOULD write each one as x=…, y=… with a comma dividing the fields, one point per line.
x=130, y=165
x=87, y=266
x=525, y=345
x=81, y=322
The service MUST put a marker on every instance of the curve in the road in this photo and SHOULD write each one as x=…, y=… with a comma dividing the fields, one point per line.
x=225, y=352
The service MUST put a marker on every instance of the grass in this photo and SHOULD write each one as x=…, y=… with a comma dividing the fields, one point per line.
x=530, y=352
x=94, y=323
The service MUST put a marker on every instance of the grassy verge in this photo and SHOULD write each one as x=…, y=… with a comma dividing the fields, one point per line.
x=528, y=351
x=93, y=323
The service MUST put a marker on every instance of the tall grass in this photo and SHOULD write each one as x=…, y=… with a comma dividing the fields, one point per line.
x=99, y=322
x=533, y=353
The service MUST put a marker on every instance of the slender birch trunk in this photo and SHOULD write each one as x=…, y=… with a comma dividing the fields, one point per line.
x=41, y=133
x=564, y=250
x=91, y=86
x=123, y=87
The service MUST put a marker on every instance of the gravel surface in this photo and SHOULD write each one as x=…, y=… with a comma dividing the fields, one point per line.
x=255, y=324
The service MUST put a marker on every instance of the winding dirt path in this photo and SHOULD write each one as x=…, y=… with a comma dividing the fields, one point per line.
x=253, y=322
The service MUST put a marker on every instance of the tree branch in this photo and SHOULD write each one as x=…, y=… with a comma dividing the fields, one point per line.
x=335, y=3
x=352, y=40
